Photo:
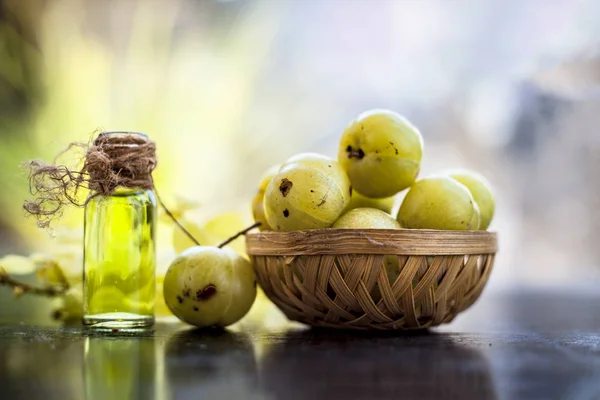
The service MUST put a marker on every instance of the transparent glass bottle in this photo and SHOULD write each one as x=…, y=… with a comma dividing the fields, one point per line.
x=120, y=256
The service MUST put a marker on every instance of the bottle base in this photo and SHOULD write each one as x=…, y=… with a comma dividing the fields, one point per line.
x=118, y=321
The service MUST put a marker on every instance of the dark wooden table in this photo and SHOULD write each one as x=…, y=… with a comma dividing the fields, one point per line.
x=522, y=344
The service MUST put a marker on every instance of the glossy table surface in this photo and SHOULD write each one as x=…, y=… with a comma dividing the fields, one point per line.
x=526, y=344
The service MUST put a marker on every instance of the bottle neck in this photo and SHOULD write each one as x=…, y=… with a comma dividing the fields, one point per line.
x=125, y=190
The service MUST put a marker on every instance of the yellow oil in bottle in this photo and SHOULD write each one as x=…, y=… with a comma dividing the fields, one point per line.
x=120, y=260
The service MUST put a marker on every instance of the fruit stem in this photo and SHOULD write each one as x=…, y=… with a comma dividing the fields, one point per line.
x=240, y=233
x=170, y=214
x=21, y=287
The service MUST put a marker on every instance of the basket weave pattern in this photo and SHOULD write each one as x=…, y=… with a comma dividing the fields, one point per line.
x=338, y=278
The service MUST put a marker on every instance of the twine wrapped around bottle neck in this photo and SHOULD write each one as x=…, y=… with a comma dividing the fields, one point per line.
x=120, y=159
x=114, y=159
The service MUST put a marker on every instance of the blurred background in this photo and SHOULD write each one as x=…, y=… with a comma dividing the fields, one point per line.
x=229, y=88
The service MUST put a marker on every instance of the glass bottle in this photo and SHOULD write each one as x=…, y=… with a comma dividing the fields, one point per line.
x=119, y=252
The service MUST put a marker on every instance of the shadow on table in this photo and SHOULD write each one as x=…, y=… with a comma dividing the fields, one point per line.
x=316, y=364
x=214, y=364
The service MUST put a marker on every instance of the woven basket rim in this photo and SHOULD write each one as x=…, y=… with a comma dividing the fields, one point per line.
x=371, y=241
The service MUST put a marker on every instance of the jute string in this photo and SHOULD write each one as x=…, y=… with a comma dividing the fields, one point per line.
x=112, y=160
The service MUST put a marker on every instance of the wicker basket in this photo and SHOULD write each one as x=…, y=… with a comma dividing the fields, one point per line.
x=372, y=279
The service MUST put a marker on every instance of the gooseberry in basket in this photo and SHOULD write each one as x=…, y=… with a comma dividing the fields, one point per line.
x=258, y=209
x=366, y=218
x=310, y=191
x=439, y=202
x=481, y=190
x=358, y=200
x=208, y=286
x=381, y=152
x=370, y=218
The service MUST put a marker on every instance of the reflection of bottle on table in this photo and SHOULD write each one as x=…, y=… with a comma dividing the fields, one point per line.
x=119, y=368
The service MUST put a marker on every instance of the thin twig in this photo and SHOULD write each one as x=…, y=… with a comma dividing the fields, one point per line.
x=188, y=234
x=22, y=287
x=240, y=233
